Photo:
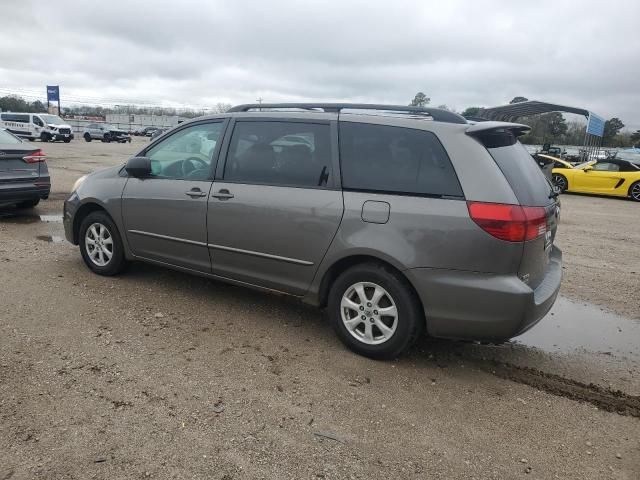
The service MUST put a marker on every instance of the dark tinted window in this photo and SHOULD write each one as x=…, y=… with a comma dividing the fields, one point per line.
x=527, y=181
x=395, y=159
x=280, y=153
x=15, y=117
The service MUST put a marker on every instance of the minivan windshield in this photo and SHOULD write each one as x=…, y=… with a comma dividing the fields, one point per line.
x=52, y=119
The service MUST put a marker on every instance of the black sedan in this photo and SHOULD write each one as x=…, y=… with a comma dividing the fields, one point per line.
x=24, y=176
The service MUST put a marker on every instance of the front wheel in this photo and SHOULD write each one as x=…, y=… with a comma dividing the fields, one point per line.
x=374, y=311
x=634, y=191
x=560, y=181
x=100, y=244
x=106, y=138
x=66, y=140
x=45, y=137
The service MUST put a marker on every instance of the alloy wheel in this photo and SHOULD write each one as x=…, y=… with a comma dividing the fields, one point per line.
x=635, y=192
x=369, y=313
x=560, y=182
x=98, y=244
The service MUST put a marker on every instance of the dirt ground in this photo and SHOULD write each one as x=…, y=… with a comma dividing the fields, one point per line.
x=157, y=374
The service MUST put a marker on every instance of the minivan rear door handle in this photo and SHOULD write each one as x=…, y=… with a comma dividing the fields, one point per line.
x=222, y=194
x=195, y=192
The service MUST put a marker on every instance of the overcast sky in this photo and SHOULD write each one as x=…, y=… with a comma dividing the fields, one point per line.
x=460, y=53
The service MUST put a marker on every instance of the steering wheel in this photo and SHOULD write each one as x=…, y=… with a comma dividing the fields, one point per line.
x=189, y=165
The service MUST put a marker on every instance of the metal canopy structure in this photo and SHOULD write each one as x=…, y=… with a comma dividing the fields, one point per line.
x=515, y=111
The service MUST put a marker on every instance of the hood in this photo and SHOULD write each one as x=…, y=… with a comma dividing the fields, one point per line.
x=58, y=125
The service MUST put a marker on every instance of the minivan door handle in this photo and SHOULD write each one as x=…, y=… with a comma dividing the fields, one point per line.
x=195, y=192
x=222, y=194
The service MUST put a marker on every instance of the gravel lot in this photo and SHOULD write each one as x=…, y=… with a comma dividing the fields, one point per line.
x=156, y=374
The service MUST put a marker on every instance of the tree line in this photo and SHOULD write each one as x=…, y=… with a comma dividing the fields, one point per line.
x=14, y=103
x=553, y=127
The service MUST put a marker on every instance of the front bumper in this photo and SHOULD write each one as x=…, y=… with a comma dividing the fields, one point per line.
x=70, y=207
x=62, y=136
x=483, y=306
x=16, y=192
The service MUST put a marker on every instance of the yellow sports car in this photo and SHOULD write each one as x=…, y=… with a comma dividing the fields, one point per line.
x=616, y=177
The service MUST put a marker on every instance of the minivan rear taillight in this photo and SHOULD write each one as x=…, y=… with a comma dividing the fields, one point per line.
x=35, y=157
x=512, y=223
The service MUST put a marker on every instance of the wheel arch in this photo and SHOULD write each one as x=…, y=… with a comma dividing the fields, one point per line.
x=82, y=212
x=342, y=264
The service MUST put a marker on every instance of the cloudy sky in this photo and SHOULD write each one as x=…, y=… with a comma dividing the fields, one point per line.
x=199, y=53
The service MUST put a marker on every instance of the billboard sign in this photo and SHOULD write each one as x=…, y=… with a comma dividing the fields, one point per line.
x=595, y=125
x=53, y=93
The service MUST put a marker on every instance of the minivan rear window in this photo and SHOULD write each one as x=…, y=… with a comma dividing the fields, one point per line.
x=395, y=159
x=527, y=180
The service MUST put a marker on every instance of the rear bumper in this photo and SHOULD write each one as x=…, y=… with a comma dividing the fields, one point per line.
x=69, y=210
x=481, y=306
x=19, y=192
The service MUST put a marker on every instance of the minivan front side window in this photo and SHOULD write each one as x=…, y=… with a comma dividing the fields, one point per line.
x=187, y=154
x=37, y=121
x=280, y=153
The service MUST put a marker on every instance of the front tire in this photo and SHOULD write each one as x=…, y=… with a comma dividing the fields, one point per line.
x=66, y=140
x=560, y=181
x=634, y=191
x=45, y=137
x=101, y=245
x=106, y=138
x=374, y=311
x=87, y=137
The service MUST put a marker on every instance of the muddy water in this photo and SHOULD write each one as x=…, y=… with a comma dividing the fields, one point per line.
x=579, y=327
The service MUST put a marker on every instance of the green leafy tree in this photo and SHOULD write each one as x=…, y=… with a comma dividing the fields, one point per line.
x=470, y=112
x=420, y=100
x=519, y=100
x=611, y=128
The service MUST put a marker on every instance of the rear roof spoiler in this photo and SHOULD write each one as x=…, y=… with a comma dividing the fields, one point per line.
x=485, y=127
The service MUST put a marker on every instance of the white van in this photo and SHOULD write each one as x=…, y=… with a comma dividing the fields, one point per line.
x=47, y=128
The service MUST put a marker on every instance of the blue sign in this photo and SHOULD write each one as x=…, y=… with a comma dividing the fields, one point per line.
x=595, y=125
x=53, y=93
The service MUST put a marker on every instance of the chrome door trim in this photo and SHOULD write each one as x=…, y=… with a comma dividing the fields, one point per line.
x=260, y=254
x=166, y=237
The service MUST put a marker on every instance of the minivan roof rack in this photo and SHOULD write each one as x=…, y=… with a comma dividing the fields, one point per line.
x=436, y=114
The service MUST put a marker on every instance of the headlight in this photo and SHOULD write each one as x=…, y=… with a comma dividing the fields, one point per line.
x=78, y=183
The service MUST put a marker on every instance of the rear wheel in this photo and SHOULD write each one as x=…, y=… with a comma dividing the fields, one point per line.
x=560, y=181
x=28, y=203
x=634, y=191
x=87, y=137
x=100, y=244
x=374, y=311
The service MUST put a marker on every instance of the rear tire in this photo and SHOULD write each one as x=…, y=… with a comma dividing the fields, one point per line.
x=560, y=181
x=101, y=245
x=28, y=203
x=87, y=137
x=361, y=324
x=634, y=191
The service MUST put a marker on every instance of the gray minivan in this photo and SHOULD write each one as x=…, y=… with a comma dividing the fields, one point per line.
x=397, y=219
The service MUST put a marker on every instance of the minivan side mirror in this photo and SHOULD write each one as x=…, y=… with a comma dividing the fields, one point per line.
x=138, y=167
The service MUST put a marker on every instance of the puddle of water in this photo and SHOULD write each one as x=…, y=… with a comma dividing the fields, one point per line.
x=50, y=238
x=17, y=217
x=571, y=326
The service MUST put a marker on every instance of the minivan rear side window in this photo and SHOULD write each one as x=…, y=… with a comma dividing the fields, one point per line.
x=294, y=154
x=395, y=159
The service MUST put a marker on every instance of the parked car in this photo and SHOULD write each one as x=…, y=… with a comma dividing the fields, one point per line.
x=48, y=128
x=146, y=131
x=24, y=177
x=614, y=176
x=105, y=132
x=157, y=132
x=395, y=218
